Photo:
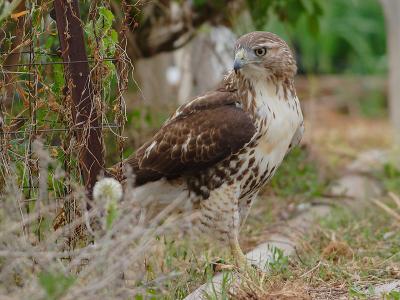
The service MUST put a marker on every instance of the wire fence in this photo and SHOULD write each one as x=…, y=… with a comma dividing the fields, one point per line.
x=37, y=100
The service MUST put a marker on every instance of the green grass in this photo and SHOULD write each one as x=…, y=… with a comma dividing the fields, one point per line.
x=298, y=176
x=354, y=250
x=184, y=262
x=350, y=250
x=374, y=105
x=390, y=175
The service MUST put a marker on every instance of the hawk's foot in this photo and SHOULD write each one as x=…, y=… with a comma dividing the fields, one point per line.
x=238, y=256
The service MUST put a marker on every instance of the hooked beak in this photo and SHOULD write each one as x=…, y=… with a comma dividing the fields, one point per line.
x=240, y=60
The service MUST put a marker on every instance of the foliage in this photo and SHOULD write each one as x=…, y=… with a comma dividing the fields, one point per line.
x=329, y=36
x=102, y=38
x=288, y=12
x=393, y=295
x=356, y=292
x=390, y=177
x=278, y=262
x=39, y=102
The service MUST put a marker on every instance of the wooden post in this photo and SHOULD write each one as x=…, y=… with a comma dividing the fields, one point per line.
x=86, y=122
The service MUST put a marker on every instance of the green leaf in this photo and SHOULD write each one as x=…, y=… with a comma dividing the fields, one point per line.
x=318, y=9
x=393, y=295
x=259, y=11
x=114, y=36
x=58, y=75
x=356, y=293
x=278, y=261
x=55, y=285
x=108, y=17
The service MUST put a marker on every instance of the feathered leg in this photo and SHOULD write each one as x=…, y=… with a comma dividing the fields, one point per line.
x=220, y=217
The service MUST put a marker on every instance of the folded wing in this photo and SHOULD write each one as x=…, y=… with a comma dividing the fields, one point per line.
x=201, y=133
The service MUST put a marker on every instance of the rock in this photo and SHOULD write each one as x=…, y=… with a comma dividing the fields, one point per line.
x=386, y=288
x=369, y=161
x=356, y=187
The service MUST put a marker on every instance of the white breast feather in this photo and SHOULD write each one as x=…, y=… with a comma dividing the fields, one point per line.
x=279, y=131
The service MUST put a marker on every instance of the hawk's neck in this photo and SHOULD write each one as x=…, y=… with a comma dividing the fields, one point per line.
x=255, y=94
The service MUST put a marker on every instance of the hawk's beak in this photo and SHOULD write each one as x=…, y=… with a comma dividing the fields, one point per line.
x=240, y=59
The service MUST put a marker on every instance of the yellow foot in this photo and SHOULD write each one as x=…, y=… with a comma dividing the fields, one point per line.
x=240, y=259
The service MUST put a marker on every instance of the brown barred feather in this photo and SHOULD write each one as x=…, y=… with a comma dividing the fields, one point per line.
x=211, y=129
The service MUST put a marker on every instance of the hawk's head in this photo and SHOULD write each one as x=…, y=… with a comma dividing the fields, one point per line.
x=262, y=54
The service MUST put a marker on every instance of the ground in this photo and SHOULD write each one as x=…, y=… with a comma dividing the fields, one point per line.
x=345, y=255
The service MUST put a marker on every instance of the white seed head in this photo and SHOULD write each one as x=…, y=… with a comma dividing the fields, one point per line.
x=107, y=190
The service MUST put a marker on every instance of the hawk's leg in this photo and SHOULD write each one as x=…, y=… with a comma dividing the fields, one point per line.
x=220, y=217
x=244, y=208
x=237, y=253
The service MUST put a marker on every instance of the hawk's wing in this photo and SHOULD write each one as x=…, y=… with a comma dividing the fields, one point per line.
x=200, y=133
x=298, y=135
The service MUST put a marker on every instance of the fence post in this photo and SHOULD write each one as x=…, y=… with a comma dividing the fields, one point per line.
x=86, y=123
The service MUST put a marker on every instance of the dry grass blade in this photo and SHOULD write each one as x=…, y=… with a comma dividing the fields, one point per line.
x=268, y=289
x=395, y=198
x=91, y=270
x=387, y=209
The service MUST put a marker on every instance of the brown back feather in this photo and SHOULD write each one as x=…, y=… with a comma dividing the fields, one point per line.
x=202, y=133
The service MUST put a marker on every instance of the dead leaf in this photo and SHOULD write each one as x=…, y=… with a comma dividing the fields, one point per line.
x=335, y=250
x=15, y=16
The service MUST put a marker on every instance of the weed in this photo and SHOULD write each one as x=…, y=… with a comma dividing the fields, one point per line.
x=393, y=295
x=390, y=177
x=55, y=285
x=278, y=262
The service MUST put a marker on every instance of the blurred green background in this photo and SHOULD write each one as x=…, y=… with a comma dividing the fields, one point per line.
x=338, y=36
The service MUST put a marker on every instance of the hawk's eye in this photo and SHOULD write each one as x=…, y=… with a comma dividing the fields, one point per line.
x=260, y=51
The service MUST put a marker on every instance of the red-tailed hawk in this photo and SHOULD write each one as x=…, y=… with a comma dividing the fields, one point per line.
x=222, y=147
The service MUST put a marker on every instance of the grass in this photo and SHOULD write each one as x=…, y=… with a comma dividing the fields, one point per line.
x=298, y=175
x=297, y=181
x=390, y=175
x=347, y=254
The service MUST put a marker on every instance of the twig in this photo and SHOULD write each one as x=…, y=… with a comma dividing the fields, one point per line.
x=311, y=270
